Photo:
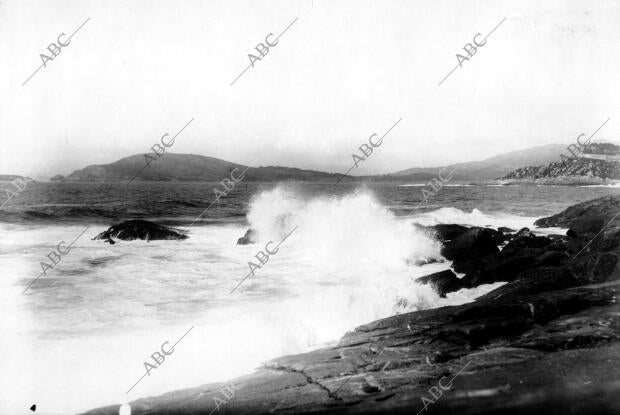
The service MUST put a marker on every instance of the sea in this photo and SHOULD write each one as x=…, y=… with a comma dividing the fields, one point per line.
x=84, y=323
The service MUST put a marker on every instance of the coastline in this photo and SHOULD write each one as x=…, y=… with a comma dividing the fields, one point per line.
x=560, y=181
x=547, y=341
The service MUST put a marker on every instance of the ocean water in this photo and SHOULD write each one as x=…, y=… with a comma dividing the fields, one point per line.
x=79, y=336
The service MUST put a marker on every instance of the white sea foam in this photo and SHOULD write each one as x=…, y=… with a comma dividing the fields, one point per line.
x=608, y=186
x=473, y=218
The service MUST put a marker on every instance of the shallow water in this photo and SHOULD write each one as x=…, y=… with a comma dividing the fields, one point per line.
x=78, y=338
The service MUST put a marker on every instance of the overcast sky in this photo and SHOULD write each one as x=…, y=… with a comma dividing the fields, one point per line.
x=343, y=71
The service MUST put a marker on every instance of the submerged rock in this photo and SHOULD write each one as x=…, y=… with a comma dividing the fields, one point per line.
x=139, y=229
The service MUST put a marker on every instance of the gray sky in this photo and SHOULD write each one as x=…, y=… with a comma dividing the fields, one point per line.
x=344, y=70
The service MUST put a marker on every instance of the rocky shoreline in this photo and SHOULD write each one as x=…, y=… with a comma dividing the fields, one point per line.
x=548, y=341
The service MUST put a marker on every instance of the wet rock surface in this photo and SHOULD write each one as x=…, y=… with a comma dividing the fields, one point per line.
x=448, y=232
x=473, y=243
x=443, y=282
x=584, y=218
x=547, y=342
x=139, y=229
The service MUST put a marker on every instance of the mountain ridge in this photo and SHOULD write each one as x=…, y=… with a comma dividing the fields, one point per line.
x=194, y=167
x=498, y=165
x=185, y=167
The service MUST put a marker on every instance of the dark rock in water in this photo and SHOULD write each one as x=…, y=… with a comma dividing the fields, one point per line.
x=473, y=253
x=139, y=229
x=248, y=238
x=443, y=282
x=571, y=233
x=587, y=217
x=520, y=254
x=474, y=243
x=524, y=232
x=448, y=232
x=504, y=229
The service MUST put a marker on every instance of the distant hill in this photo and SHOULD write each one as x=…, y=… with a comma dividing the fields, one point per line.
x=187, y=167
x=492, y=167
x=191, y=167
